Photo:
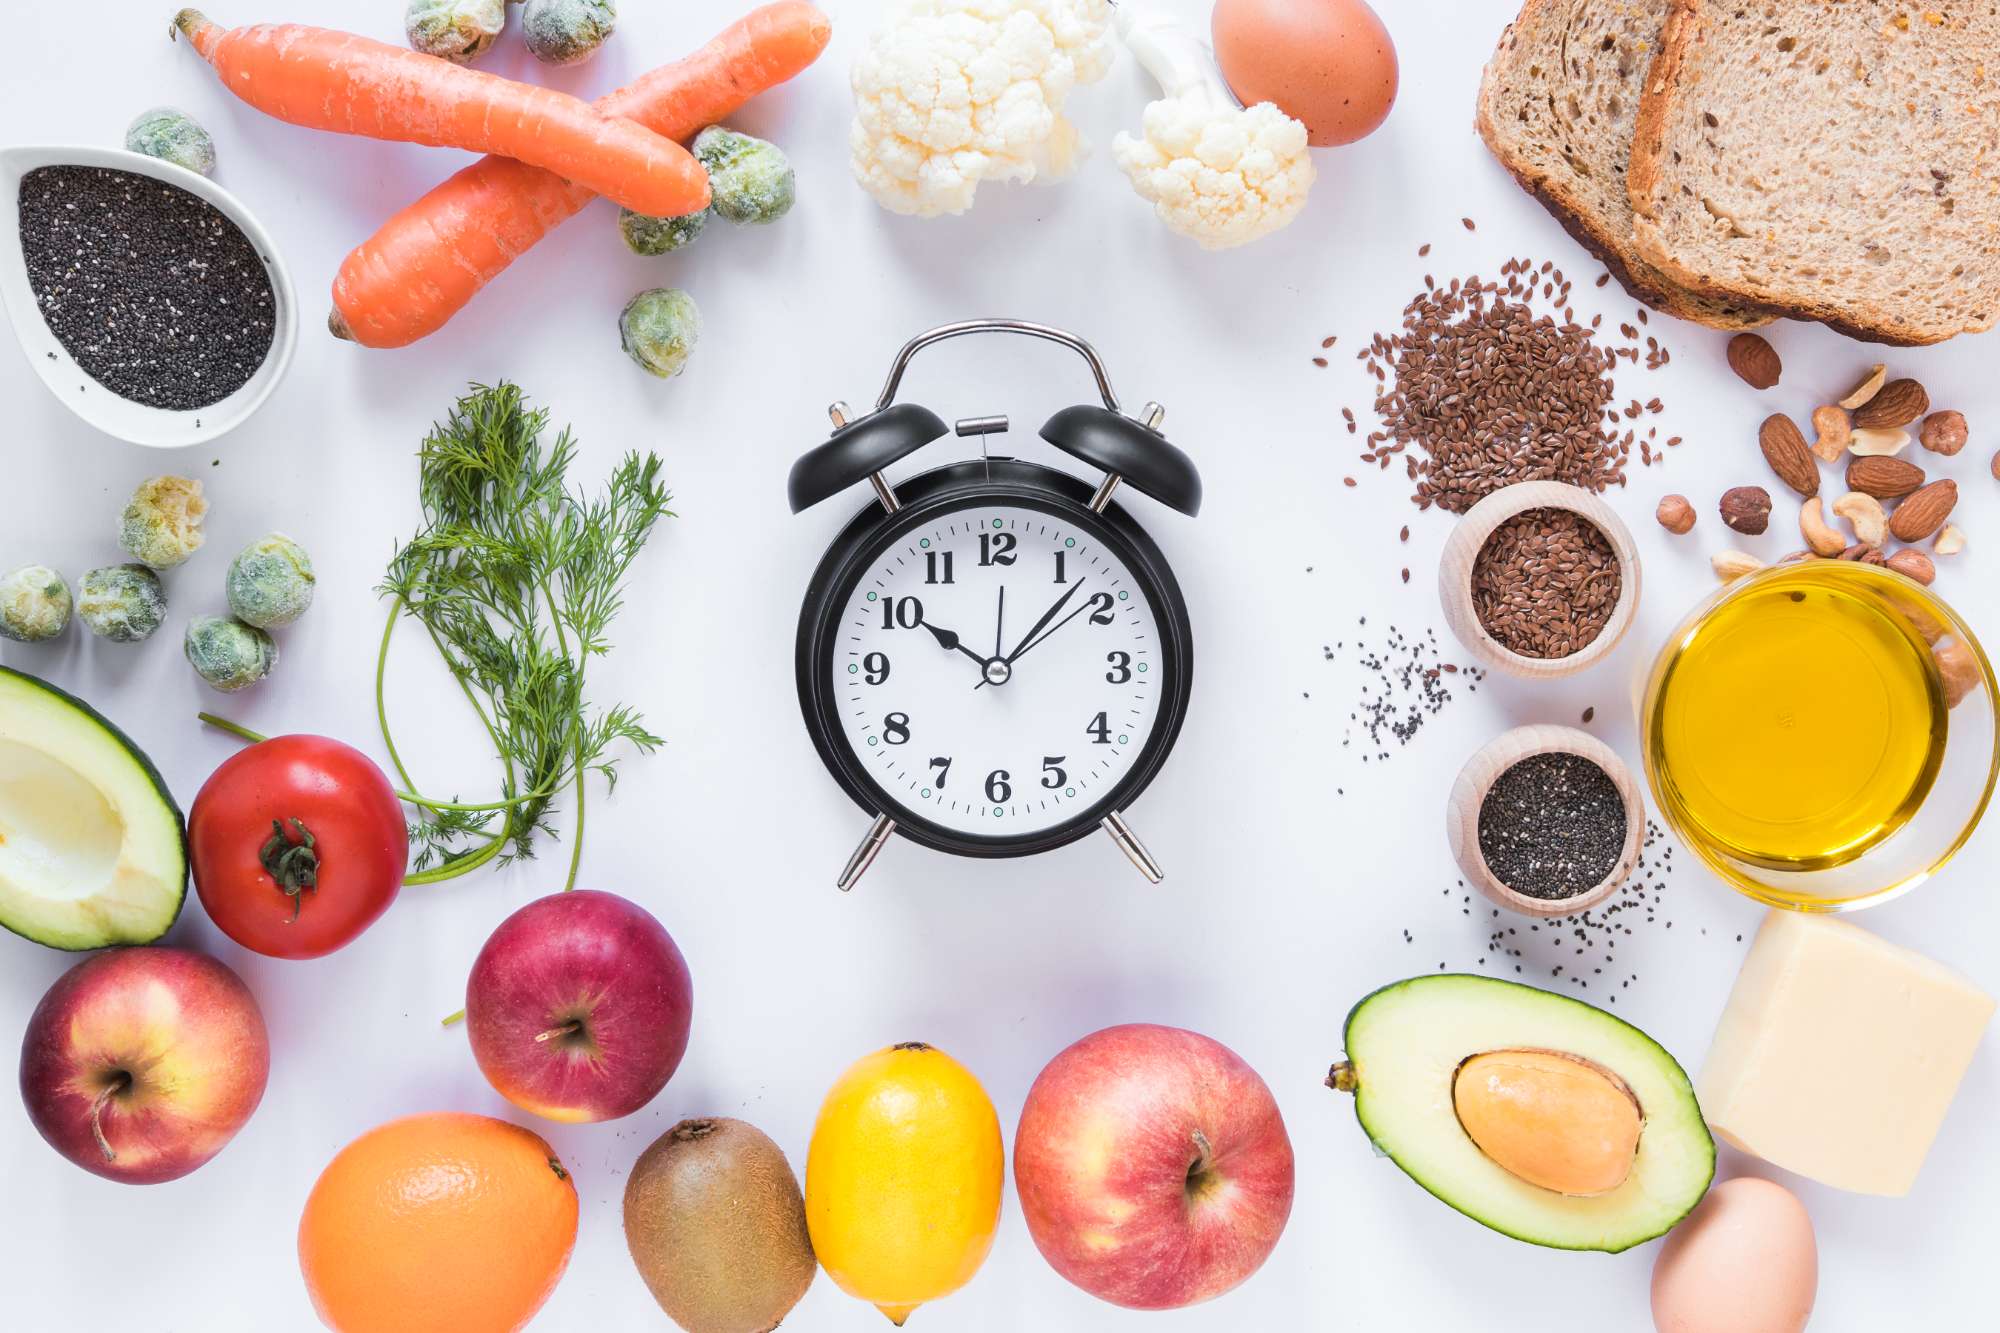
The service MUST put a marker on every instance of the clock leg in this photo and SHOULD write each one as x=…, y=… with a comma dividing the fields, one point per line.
x=864, y=855
x=1135, y=851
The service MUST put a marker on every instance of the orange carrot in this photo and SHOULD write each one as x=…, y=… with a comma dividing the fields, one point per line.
x=329, y=80
x=426, y=263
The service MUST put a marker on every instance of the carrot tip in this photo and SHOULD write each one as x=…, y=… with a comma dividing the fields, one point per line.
x=338, y=326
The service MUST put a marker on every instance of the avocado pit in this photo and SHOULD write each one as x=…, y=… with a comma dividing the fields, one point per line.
x=1555, y=1120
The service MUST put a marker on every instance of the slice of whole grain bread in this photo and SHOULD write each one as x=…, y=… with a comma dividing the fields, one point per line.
x=1837, y=161
x=1557, y=105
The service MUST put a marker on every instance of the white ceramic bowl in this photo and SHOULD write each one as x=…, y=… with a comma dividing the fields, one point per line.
x=135, y=422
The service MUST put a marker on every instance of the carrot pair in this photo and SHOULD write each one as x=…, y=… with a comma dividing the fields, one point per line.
x=329, y=80
x=427, y=262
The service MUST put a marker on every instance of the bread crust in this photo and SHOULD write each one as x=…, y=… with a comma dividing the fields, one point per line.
x=1686, y=28
x=1616, y=253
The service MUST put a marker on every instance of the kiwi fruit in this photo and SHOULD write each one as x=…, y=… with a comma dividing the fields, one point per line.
x=717, y=1227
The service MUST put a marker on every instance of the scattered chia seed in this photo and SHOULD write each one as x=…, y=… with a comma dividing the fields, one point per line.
x=158, y=296
x=1552, y=826
x=1405, y=685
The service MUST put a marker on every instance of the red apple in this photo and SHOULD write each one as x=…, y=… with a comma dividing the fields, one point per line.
x=140, y=1064
x=578, y=1007
x=1153, y=1167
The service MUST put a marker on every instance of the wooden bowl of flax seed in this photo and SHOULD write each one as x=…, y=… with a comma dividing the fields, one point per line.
x=1545, y=821
x=1540, y=580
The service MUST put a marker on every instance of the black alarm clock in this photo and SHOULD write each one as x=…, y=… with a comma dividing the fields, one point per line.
x=994, y=659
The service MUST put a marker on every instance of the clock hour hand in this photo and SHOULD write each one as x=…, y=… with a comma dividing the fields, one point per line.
x=950, y=642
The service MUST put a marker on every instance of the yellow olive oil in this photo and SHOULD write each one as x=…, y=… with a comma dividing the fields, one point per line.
x=1797, y=725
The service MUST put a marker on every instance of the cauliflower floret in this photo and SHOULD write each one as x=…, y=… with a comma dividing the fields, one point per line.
x=956, y=92
x=1223, y=176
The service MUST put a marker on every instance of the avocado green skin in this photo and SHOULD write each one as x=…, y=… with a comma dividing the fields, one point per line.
x=109, y=728
x=1361, y=1117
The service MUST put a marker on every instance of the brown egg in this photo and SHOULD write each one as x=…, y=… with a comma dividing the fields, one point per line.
x=1743, y=1262
x=1327, y=63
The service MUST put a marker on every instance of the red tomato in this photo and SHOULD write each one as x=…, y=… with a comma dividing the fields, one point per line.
x=298, y=844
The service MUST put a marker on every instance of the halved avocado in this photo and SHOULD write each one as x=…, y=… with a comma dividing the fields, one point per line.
x=93, y=850
x=1406, y=1045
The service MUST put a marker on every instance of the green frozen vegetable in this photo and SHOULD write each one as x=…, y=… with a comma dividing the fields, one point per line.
x=172, y=135
x=122, y=603
x=659, y=236
x=271, y=583
x=161, y=526
x=752, y=180
x=229, y=654
x=457, y=30
x=567, y=32
x=34, y=604
x=659, y=329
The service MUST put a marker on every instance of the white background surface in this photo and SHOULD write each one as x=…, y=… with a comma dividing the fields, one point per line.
x=1284, y=902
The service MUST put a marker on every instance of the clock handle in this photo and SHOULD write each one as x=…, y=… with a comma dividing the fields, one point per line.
x=864, y=855
x=1135, y=851
x=1020, y=326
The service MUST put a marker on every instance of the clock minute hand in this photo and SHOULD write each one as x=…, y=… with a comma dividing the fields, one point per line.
x=1043, y=623
x=1024, y=649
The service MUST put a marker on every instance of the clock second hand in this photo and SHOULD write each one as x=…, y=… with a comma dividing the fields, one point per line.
x=1040, y=625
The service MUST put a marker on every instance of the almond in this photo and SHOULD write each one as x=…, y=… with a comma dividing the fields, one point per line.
x=1884, y=478
x=1786, y=451
x=1730, y=566
x=1925, y=512
x=1899, y=403
x=1867, y=389
x=1755, y=361
x=1915, y=565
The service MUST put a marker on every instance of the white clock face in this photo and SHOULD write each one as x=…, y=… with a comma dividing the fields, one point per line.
x=998, y=670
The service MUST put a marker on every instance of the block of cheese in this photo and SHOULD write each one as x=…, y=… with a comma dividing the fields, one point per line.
x=1839, y=1053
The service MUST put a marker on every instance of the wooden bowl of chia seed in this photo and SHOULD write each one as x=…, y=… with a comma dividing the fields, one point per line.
x=146, y=296
x=1545, y=821
x=1540, y=580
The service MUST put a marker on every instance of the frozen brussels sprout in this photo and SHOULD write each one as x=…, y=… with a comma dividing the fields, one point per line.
x=567, y=32
x=659, y=329
x=161, y=527
x=659, y=236
x=172, y=135
x=457, y=30
x=122, y=603
x=229, y=654
x=752, y=180
x=34, y=604
x=271, y=583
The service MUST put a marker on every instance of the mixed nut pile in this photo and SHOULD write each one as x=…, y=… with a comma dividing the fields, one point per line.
x=1891, y=504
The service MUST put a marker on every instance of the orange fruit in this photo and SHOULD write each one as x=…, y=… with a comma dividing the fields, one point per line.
x=445, y=1223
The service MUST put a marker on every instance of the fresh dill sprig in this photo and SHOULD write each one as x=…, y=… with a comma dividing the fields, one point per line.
x=516, y=580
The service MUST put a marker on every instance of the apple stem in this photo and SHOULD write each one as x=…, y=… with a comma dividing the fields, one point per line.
x=568, y=1029
x=1341, y=1077
x=117, y=1085
x=1204, y=1157
x=451, y=1019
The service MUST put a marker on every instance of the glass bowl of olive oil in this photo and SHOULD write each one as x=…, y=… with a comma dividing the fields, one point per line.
x=1822, y=734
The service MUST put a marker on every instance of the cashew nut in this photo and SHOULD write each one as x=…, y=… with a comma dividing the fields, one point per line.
x=1819, y=535
x=1730, y=566
x=1867, y=389
x=1950, y=541
x=1834, y=430
x=1866, y=515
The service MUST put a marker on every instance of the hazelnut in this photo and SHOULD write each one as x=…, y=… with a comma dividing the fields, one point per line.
x=1747, y=509
x=1944, y=433
x=1676, y=515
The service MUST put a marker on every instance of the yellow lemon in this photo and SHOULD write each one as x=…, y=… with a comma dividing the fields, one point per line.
x=903, y=1178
